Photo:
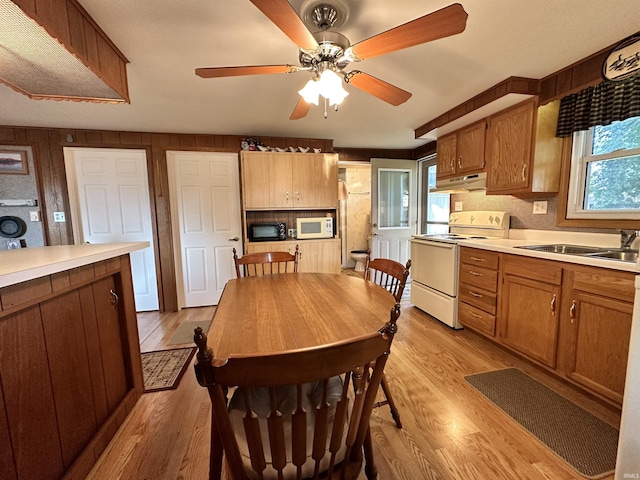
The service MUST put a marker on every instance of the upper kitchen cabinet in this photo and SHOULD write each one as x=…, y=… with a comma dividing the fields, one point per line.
x=287, y=181
x=523, y=154
x=462, y=151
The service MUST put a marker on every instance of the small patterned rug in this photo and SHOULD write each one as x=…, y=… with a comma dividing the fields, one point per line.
x=586, y=443
x=163, y=369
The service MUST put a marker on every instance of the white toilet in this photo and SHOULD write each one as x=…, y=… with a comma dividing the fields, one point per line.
x=360, y=257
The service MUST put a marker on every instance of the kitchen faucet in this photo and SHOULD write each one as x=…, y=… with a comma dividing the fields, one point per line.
x=627, y=237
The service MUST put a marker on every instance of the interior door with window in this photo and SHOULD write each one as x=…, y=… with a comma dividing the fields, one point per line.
x=393, y=207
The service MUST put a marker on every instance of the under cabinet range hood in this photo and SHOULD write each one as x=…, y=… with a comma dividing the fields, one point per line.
x=466, y=183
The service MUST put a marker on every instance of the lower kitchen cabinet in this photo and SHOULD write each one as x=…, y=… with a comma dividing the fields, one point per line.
x=70, y=369
x=318, y=256
x=573, y=320
x=598, y=312
x=530, y=319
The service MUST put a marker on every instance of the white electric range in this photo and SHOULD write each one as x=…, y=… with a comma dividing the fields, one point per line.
x=435, y=261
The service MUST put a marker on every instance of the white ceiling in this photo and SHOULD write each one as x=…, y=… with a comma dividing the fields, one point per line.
x=165, y=40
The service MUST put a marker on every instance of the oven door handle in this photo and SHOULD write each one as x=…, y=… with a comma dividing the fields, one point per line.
x=450, y=246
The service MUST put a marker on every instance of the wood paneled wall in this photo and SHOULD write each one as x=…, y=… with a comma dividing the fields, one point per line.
x=366, y=154
x=48, y=144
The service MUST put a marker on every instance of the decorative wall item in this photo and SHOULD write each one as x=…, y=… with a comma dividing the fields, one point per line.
x=13, y=161
x=623, y=61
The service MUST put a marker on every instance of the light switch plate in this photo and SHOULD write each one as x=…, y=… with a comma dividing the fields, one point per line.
x=34, y=216
x=58, y=217
x=540, y=208
x=457, y=206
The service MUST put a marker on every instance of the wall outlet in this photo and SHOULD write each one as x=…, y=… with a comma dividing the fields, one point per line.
x=58, y=217
x=457, y=206
x=34, y=216
x=540, y=208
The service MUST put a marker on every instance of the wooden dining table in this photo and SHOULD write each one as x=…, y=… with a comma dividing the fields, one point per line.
x=289, y=311
x=274, y=313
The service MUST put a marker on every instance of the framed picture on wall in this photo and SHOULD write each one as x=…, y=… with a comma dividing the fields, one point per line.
x=13, y=162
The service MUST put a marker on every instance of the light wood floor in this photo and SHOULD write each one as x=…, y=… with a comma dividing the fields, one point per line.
x=450, y=431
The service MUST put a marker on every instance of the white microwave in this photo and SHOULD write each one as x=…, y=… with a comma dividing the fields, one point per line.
x=316, y=227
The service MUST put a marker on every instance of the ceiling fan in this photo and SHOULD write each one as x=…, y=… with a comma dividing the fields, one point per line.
x=326, y=53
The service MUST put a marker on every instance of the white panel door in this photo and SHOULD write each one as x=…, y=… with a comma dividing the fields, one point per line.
x=393, y=207
x=109, y=196
x=205, y=205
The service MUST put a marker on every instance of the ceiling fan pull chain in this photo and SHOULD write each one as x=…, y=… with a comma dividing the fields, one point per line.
x=325, y=109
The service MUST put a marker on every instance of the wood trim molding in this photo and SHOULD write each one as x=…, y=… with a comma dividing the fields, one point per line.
x=519, y=85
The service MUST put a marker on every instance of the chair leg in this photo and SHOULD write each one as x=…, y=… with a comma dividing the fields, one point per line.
x=370, y=469
x=392, y=406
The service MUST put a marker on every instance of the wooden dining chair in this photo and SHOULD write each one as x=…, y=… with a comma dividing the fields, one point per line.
x=392, y=276
x=294, y=414
x=266, y=263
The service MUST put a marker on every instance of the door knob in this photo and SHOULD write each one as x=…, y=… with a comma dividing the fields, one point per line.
x=234, y=239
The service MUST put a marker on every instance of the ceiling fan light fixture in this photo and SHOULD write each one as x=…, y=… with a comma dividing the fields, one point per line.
x=310, y=92
x=330, y=87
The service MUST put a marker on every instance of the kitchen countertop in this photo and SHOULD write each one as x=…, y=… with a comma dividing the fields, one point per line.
x=25, y=264
x=508, y=246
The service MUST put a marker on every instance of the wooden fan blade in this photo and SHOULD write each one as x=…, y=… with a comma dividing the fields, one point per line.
x=215, y=72
x=301, y=110
x=378, y=88
x=282, y=14
x=441, y=23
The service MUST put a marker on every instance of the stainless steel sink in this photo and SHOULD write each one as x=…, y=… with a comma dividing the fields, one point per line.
x=564, y=248
x=624, y=255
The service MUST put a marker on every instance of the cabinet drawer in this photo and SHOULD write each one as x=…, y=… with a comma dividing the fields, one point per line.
x=478, y=298
x=479, y=277
x=548, y=271
x=483, y=258
x=477, y=319
x=607, y=283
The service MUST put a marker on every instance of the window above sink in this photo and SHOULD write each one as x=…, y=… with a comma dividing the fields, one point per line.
x=605, y=168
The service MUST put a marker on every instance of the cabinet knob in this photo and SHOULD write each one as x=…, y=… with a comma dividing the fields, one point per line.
x=476, y=274
x=524, y=170
x=114, y=298
x=553, y=305
x=459, y=163
x=477, y=259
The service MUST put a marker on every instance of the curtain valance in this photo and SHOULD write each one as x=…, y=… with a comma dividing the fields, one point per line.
x=603, y=104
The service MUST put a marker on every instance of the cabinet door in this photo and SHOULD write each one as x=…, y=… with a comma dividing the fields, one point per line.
x=530, y=318
x=509, y=144
x=62, y=322
x=280, y=181
x=308, y=261
x=255, y=181
x=304, y=180
x=110, y=332
x=599, y=343
x=326, y=181
x=446, y=150
x=328, y=257
x=470, y=151
x=28, y=399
